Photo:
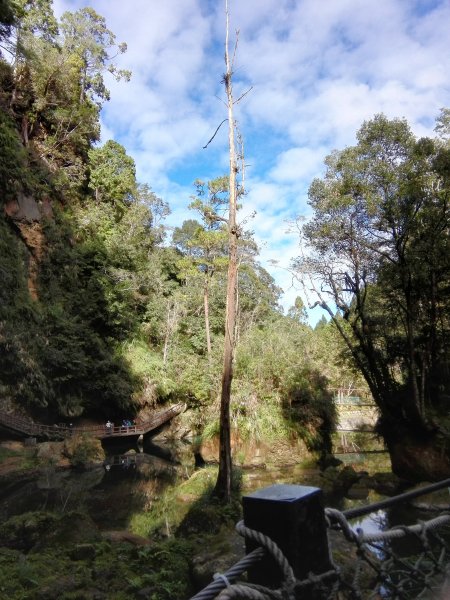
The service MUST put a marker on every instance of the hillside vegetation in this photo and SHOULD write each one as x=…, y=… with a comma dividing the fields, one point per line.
x=101, y=314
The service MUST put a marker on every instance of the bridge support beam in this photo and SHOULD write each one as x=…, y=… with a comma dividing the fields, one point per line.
x=293, y=517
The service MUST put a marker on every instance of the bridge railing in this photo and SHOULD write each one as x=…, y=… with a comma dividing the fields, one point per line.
x=32, y=429
x=289, y=545
x=352, y=396
x=25, y=425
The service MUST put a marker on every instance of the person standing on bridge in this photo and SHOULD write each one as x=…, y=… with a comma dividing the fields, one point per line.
x=109, y=426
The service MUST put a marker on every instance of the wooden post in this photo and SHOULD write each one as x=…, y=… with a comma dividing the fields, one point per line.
x=293, y=517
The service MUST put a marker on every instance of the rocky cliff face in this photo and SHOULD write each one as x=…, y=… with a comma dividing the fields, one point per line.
x=27, y=215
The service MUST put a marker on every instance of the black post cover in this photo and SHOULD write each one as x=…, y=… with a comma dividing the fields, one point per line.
x=293, y=517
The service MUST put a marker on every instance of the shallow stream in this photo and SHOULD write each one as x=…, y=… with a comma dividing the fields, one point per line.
x=133, y=479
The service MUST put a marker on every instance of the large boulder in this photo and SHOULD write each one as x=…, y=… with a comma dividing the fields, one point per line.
x=82, y=450
x=336, y=481
x=72, y=528
x=419, y=460
x=33, y=531
x=50, y=452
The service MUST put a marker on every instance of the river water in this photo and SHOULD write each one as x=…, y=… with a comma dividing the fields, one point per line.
x=133, y=479
x=130, y=480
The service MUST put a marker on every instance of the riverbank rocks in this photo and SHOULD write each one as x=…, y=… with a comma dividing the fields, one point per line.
x=358, y=491
x=125, y=536
x=356, y=485
x=387, y=484
x=336, y=481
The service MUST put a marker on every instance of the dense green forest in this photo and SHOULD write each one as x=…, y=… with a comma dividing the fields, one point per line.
x=379, y=253
x=104, y=313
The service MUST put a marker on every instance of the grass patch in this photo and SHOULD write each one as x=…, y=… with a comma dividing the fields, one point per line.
x=190, y=509
x=7, y=453
x=255, y=419
x=168, y=510
x=26, y=458
x=119, y=569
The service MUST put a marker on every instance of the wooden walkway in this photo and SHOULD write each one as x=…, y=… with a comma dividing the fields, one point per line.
x=27, y=427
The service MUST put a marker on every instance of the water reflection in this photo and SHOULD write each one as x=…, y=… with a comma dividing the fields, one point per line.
x=401, y=515
x=133, y=476
x=130, y=478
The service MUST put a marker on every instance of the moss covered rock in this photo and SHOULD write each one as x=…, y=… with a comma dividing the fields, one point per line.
x=50, y=451
x=338, y=480
x=82, y=450
x=33, y=531
x=71, y=528
x=24, y=531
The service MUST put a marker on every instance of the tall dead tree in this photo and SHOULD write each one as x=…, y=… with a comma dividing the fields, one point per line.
x=223, y=484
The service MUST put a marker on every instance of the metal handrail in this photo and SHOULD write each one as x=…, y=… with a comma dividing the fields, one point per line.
x=31, y=428
x=251, y=559
x=351, y=513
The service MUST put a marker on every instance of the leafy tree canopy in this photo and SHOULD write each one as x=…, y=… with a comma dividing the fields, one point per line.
x=379, y=252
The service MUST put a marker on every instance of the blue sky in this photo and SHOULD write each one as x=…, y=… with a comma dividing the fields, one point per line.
x=318, y=70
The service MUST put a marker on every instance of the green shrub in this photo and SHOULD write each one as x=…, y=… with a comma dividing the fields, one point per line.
x=13, y=159
x=22, y=532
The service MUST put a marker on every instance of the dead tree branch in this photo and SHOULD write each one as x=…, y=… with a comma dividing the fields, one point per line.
x=214, y=134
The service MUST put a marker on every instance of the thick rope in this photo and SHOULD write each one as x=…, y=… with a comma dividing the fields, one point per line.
x=336, y=516
x=254, y=592
x=247, y=593
x=402, y=531
x=270, y=546
x=232, y=574
x=393, y=573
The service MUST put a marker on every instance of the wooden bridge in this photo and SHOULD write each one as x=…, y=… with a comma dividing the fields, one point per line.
x=25, y=426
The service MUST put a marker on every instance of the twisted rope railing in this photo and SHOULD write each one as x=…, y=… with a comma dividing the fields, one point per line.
x=378, y=570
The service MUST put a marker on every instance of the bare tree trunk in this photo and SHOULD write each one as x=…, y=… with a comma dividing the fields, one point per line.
x=223, y=484
x=25, y=130
x=237, y=331
x=171, y=321
x=206, y=309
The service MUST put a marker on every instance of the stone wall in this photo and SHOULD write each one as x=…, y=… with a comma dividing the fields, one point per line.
x=352, y=417
x=27, y=214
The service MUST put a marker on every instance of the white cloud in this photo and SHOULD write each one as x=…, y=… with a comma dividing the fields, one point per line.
x=298, y=164
x=318, y=70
